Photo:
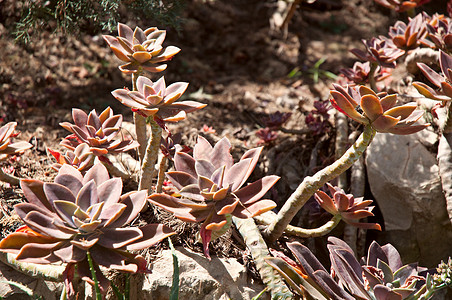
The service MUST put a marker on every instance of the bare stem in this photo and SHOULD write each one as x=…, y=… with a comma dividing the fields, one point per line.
x=45, y=272
x=256, y=245
x=311, y=184
x=372, y=82
x=302, y=232
x=11, y=179
x=161, y=176
x=140, y=122
x=150, y=158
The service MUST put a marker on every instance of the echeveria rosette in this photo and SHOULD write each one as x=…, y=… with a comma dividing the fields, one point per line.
x=350, y=209
x=443, y=82
x=75, y=214
x=210, y=186
x=359, y=73
x=439, y=33
x=158, y=100
x=141, y=48
x=379, y=50
x=407, y=36
x=98, y=131
x=378, y=110
x=82, y=158
x=7, y=147
x=380, y=276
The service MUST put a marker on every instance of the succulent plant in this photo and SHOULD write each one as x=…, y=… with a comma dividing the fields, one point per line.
x=140, y=49
x=98, y=131
x=345, y=205
x=359, y=73
x=382, y=275
x=266, y=136
x=170, y=145
x=157, y=100
x=408, y=36
x=75, y=214
x=443, y=82
x=210, y=188
x=378, y=109
x=82, y=158
x=277, y=119
x=7, y=147
x=379, y=50
x=401, y=5
x=438, y=33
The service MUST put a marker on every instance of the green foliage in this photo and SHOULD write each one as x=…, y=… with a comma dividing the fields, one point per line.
x=73, y=16
x=174, y=294
x=94, y=277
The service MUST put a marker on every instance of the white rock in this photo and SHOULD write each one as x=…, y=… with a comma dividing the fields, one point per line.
x=404, y=180
x=200, y=279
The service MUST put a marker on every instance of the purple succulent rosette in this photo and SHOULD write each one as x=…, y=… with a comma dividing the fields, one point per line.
x=75, y=214
x=7, y=147
x=140, y=49
x=211, y=188
x=158, y=100
x=380, y=276
x=350, y=209
x=379, y=50
x=98, y=131
x=378, y=110
x=82, y=158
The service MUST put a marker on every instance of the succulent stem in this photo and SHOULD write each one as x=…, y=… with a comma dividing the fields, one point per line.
x=11, y=179
x=150, y=158
x=161, y=177
x=45, y=272
x=268, y=217
x=140, y=122
x=258, y=249
x=311, y=184
x=372, y=82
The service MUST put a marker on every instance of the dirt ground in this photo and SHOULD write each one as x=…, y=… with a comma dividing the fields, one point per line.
x=234, y=60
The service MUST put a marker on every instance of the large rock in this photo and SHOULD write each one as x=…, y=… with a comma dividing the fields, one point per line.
x=404, y=180
x=200, y=279
x=45, y=289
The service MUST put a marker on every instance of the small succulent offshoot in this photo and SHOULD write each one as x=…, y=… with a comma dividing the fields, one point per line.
x=350, y=209
x=7, y=147
x=381, y=51
x=98, y=131
x=82, y=158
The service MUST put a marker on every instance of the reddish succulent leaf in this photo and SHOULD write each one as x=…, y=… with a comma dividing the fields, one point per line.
x=152, y=234
x=431, y=75
x=256, y=190
x=371, y=106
